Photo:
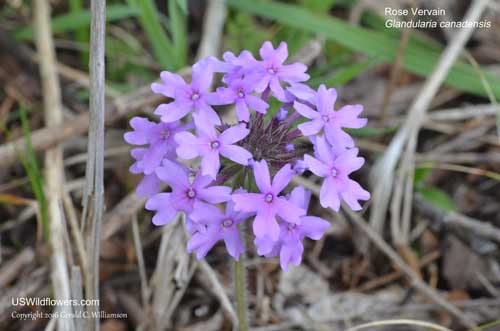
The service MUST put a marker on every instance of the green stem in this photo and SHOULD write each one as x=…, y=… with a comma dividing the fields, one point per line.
x=239, y=275
x=239, y=272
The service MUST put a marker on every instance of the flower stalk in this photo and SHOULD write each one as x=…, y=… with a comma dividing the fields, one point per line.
x=239, y=278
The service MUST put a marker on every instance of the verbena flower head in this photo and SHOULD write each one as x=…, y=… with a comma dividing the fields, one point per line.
x=202, y=158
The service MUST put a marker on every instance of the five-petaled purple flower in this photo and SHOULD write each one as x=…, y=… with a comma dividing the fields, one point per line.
x=267, y=204
x=184, y=193
x=159, y=137
x=239, y=93
x=253, y=147
x=187, y=96
x=330, y=120
x=289, y=247
x=336, y=166
x=209, y=145
x=273, y=70
x=218, y=225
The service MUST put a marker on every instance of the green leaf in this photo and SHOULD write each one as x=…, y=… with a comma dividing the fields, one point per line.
x=318, y=5
x=183, y=6
x=150, y=22
x=421, y=174
x=344, y=75
x=369, y=132
x=76, y=20
x=82, y=34
x=438, y=198
x=242, y=33
x=32, y=169
x=179, y=32
x=418, y=59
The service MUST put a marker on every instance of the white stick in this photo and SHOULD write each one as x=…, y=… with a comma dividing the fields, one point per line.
x=93, y=198
x=54, y=170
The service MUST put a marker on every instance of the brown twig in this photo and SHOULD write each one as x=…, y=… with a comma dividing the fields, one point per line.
x=457, y=220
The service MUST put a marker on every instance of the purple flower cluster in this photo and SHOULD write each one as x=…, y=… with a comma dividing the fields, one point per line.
x=201, y=158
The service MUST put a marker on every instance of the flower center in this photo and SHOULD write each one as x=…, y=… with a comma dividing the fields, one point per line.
x=334, y=172
x=326, y=118
x=272, y=70
x=269, y=198
x=195, y=96
x=227, y=223
x=291, y=226
x=191, y=194
x=214, y=144
x=164, y=134
x=240, y=93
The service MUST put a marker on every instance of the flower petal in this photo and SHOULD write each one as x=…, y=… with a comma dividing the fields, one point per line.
x=208, y=112
x=264, y=245
x=233, y=134
x=173, y=111
x=329, y=196
x=173, y=174
x=210, y=164
x=347, y=117
x=202, y=75
x=288, y=211
x=236, y=154
x=325, y=99
x=353, y=193
x=149, y=186
x=233, y=242
x=311, y=128
x=262, y=176
x=291, y=253
x=256, y=104
x=337, y=137
x=282, y=178
x=247, y=202
x=215, y=194
x=316, y=167
x=323, y=150
x=265, y=223
x=348, y=162
x=313, y=227
x=242, y=112
x=305, y=111
x=204, y=126
x=153, y=157
x=278, y=91
x=293, y=73
x=161, y=202
x=205, y=213
x=170, y=82
x=188, y=145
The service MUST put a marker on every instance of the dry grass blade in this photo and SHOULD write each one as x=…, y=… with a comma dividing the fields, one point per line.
x=140, y=261
x=76, y=292
x=54, y=169
x=218, y=290
x=215, y=17
x=406, y=322
x=11, y=269
x=172, y=260
x=463, y=113
x=93, y=198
